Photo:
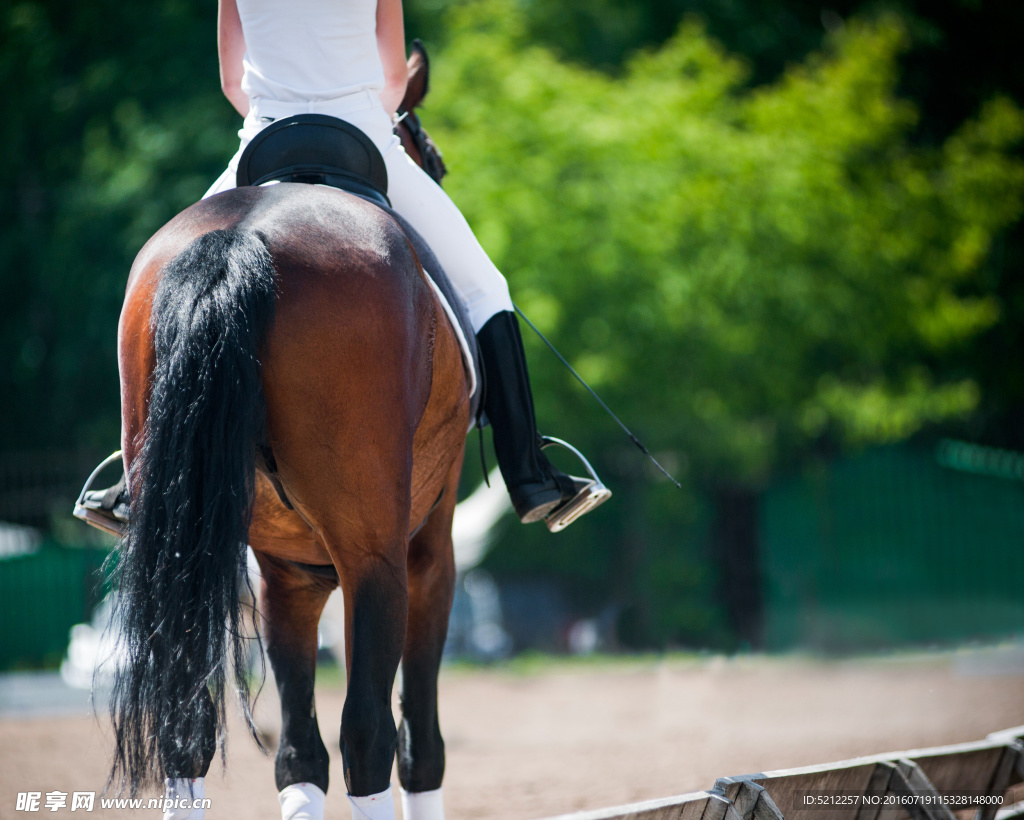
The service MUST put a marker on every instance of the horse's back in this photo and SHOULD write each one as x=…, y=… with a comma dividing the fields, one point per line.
x=304, y=225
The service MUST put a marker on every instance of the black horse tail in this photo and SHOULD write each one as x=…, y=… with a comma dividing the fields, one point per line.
x=181, y=566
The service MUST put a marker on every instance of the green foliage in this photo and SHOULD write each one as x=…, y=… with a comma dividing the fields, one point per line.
x=738, y=271
x=114, y=123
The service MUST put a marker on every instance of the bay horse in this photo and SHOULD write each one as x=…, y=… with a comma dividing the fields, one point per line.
x=290, y=381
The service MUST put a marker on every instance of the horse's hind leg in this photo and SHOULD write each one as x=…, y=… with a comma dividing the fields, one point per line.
x=376, y=607
x=431, y=570
x=368, y=542
x=291, y=604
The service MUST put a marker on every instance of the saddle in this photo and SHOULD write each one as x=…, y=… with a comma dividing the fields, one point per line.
x=321, y=150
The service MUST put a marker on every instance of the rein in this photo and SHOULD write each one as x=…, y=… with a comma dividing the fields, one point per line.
x=433, y=161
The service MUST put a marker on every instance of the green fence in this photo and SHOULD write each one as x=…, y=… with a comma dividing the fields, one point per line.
x=897, y=545
x=41, y=596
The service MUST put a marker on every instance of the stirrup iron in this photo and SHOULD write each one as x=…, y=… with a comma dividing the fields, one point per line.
x=91, y=515
x=592, y=494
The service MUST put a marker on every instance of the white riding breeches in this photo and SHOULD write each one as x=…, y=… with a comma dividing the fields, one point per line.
x=413, y=194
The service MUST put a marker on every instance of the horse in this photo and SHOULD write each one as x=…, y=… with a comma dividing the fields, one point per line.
x=289, y=380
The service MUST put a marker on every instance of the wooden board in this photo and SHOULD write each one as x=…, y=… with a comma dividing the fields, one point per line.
x=990, y=766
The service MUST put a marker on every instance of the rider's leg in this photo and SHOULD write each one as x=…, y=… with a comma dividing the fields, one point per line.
x=419, y=199
x=535, y=486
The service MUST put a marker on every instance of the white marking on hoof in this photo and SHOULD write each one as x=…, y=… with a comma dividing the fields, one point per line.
x=374, y=806
x=423, y=805
x=181, y=795
x=302, y=801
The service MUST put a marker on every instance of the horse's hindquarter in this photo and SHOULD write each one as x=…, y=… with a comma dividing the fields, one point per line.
x=441, y=435
x=366, y=396
x=360, y=365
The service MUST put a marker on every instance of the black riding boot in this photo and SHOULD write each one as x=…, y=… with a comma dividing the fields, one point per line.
x=537, y=488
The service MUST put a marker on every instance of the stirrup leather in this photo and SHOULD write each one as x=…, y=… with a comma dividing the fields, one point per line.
x=88, y=507
x=590, y=494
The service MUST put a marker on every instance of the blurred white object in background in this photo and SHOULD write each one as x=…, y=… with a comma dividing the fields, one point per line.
x=474, y=519
x=18, y=540
x=93, y=652
x=476, y=628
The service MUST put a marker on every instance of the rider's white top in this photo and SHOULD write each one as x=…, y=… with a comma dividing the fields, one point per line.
x=307, y=50
x=320, y=57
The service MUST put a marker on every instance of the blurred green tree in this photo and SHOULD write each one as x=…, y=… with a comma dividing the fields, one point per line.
x=741, y=272
x=114, y=123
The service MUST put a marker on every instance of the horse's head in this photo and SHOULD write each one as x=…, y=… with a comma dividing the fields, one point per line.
x=415, y=140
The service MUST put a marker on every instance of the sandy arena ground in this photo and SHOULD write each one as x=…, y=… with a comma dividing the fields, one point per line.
x=531, y=741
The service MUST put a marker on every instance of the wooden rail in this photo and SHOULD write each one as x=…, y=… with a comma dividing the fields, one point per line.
x=914, y=780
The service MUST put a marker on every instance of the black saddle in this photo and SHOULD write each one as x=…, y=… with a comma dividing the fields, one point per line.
x=317, y=149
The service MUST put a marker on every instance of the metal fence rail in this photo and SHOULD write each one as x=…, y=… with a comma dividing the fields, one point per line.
x=692, y=806
x=42, y=595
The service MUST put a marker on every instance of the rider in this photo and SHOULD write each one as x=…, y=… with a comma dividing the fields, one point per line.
x=347, y=59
